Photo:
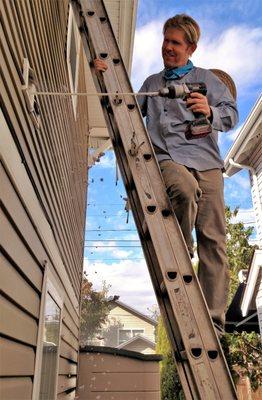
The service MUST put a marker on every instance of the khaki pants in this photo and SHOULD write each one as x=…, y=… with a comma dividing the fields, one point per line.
x=198, y=201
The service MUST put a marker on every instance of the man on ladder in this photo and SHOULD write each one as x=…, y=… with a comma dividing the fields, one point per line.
x=189, y=156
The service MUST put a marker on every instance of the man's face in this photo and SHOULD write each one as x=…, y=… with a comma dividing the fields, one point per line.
x=175, y=50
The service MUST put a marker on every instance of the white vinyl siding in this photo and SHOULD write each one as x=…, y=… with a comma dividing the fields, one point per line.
x=121, y=326
x=259, y=306
x=256, y=162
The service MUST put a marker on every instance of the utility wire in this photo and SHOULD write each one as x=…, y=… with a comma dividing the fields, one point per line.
x=110, y=230
x=109, y=259
x=105, y=205
x=107, y=215
x=112, y=240
x=109, y=247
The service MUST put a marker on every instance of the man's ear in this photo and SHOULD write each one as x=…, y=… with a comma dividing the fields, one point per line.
x=193, y=48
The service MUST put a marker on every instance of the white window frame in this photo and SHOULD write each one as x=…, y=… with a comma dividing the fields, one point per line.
x=128, y=329
x=73, y=84
x=49, y=286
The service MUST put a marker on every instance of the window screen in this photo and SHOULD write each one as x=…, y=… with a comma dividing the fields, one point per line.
x=124, y=335
x=137, y=332
x=50, y=349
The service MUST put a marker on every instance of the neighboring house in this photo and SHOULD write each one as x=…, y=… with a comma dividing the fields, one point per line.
x=246, y=153
x=127, y=328
x=43, y=177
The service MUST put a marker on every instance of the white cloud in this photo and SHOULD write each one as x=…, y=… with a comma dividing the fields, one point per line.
x=100, y=246
x=107, y=161
x=131, y=236
x=247, y=216
x=129, y=279
x=147, y=52
x=234, y=133
x=119, y=253
x=241, y=181
x=237, y=51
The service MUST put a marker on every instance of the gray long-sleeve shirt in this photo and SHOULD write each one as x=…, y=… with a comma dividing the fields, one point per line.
x=167, y=119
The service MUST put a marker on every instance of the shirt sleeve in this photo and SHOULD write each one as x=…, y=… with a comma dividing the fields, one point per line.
x=142, y=100
x=222, y=104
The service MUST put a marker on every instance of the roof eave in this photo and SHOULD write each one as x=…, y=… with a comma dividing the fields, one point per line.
x=133, y=311
x=251, y=282
x=246, y=139
x=134, y=339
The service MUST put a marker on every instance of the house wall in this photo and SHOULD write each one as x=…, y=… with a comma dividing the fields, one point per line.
x=43, y=175
x=259, y=302
x=120, y=318
x=255, y=160
x=140, y=346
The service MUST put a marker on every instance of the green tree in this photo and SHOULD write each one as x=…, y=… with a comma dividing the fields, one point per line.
x=94, y=310
x=239, y=251
x=170, y=384
x=243, y=352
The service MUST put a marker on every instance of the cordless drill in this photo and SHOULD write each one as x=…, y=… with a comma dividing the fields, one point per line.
x=201, y=126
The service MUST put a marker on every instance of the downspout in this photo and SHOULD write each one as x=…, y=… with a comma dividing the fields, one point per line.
x=255, y=183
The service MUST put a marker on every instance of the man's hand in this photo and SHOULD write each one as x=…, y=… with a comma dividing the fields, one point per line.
x=100, y=65
x=198, y=103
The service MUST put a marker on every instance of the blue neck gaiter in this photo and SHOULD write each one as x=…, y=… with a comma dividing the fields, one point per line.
x=175, y=73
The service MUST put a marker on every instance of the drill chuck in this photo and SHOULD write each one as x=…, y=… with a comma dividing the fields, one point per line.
x=182, y=90
x=174, y=91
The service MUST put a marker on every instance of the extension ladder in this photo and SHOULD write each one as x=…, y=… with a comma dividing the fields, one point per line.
x=199, y=358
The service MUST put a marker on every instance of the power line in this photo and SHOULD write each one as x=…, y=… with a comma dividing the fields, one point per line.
x=105, y=205
x=109, y=259
x=112, y=240
x=109, y=247
x=107, y=215
x=110, y=230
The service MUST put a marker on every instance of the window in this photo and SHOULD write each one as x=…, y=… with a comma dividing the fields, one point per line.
x=52, y=318
x=48, y=342
x=73, y=55
x=137, y=332
x=126, y=334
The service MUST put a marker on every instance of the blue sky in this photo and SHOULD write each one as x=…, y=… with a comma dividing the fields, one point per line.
x=231, y=40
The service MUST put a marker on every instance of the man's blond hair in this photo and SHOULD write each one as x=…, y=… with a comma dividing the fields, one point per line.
x=185, y=23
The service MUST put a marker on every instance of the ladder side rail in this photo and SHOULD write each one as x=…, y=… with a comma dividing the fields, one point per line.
x=119, y=117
